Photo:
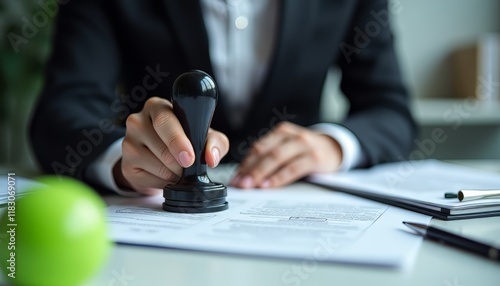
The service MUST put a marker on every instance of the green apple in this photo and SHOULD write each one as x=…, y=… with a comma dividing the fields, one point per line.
x=61, y=235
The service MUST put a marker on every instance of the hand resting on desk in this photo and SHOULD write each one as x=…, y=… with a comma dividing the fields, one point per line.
x=286, y=154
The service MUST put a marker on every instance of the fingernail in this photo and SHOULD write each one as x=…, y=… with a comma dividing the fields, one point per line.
x=216, y=156
x=266, y=184
x=246, y=182
x=184, y=159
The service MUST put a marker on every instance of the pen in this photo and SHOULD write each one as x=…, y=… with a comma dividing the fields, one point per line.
x=455, y=240
x=469, y=195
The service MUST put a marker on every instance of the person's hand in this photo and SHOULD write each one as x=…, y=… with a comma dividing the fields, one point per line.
x=155, y=149
x=286, y=154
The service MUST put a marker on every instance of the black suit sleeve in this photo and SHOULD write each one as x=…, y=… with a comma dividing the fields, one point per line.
x=379, y=115
x=73, y=122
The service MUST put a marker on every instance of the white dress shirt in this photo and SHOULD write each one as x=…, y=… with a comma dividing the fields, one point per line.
x=242, y=35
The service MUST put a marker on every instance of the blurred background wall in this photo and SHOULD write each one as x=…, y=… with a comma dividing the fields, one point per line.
x=427, y=33
x=22, y=56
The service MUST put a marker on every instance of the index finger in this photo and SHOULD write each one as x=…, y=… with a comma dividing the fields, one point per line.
x=170, y=131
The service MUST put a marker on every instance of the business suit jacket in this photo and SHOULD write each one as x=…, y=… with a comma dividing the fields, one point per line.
x=106, y=50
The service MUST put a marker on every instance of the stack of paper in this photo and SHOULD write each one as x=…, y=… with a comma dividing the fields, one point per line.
x=419, y=186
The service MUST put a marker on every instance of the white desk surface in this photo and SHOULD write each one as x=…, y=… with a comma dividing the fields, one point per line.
x=435, y=264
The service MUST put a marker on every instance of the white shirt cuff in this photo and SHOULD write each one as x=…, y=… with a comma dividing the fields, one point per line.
x=352, y=154
x=100, y=171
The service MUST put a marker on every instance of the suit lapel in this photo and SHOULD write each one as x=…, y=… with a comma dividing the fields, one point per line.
x=292, y=16
x=186, y=18
x=187, y=21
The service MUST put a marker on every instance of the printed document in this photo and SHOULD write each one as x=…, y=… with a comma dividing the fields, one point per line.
x=318, y=225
